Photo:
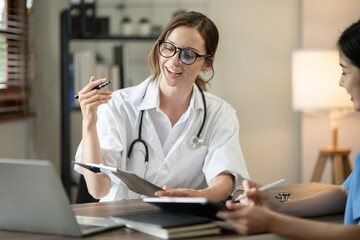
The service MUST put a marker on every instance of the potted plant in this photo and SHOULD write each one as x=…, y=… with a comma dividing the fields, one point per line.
x=127, y=26
x=144, y=26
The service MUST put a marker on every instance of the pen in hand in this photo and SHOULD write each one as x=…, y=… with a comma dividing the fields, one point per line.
x=264, y=188
x=100, y=86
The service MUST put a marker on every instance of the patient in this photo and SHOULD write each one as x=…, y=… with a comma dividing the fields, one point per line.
x=261, y=212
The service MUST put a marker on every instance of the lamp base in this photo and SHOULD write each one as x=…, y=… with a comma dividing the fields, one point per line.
x=339, y=157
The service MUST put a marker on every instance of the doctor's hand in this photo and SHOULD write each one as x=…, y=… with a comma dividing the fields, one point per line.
x=90, y=99
x=178, y=192
x=247, y=220
x=255, y=197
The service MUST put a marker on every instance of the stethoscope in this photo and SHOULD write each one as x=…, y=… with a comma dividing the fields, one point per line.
x=197, y=141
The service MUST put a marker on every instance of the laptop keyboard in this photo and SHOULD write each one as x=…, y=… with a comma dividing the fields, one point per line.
x=85, y=227
x=96, y=222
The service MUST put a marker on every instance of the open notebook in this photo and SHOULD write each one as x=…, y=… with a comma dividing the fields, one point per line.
x=33, y=199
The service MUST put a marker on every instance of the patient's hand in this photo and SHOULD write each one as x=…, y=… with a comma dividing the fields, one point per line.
x=259, y=198
x=247, y=220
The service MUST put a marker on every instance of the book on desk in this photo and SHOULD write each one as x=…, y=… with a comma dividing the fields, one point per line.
x=168, y=225
x=196, y=206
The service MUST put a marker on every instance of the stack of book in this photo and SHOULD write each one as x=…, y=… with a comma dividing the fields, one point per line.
x=175, y=217
x=168, y=225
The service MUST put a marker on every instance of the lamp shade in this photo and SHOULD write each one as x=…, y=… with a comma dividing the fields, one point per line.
x=315, y=81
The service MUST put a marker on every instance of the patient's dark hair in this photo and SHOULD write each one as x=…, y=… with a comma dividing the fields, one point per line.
x=349, y=43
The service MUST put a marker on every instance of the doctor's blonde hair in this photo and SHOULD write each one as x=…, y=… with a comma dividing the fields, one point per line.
x=208, y=32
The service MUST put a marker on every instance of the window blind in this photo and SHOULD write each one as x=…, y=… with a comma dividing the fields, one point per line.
x=14, y=86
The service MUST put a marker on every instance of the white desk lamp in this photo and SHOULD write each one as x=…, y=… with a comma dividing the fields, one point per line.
x=315, y=86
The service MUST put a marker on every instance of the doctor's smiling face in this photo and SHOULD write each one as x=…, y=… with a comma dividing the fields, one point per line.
x=197, y=35
x=174, y=72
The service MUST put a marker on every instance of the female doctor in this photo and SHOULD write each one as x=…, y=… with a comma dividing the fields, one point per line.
x=166, y=129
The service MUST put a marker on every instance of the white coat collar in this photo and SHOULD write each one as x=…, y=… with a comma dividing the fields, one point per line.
x=197, y=98
x=146, y=96
x=138, y=92
x=152, y=96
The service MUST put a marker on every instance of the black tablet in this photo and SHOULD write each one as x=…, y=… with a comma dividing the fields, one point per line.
x=191, y=206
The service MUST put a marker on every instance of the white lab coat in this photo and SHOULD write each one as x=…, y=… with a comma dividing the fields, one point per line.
x=182, y=166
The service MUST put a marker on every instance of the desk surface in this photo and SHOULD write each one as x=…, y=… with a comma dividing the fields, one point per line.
x=106, y=209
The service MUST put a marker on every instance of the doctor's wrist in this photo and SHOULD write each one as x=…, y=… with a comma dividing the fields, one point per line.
x=206, y=193
x=88, y=125
x=212, y=194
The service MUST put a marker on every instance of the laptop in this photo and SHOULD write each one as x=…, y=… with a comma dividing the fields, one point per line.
x=32, y=199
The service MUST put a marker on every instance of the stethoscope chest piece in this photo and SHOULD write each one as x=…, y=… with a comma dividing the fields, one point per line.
x=197, y=142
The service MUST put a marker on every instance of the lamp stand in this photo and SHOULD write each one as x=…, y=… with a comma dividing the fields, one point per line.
x=339, y=156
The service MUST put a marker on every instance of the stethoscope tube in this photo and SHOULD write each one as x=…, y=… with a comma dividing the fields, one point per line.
x=197, y=141
x=205, y=113
x=140, y=140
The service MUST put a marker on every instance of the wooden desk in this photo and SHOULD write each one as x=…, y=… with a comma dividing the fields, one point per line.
x=127, y=206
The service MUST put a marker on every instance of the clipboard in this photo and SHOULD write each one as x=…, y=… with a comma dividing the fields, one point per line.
x=131, y=180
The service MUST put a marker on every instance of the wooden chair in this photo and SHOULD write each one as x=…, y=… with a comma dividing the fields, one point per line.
x=83, y=195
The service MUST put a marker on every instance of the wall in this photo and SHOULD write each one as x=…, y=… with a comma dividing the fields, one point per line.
x=17, y=139
x=47, y=15
x=322, y=23
x=253, y=74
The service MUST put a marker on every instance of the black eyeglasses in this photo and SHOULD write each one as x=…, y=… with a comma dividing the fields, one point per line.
x=187, y=56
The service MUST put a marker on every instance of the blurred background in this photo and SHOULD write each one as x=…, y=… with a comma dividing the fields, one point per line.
x=252, y=72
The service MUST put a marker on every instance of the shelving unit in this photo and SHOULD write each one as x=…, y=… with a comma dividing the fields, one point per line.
x=117, y=37
x=66, y=158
